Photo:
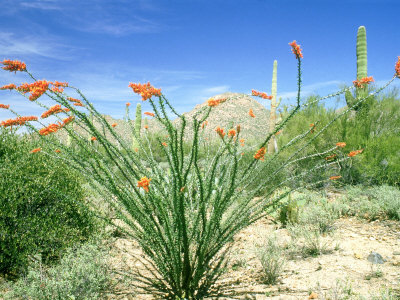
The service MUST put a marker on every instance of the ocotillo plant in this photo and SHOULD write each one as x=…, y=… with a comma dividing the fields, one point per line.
x=274, y=106
x=362, y=68
x=184, y=216
x=137, y=128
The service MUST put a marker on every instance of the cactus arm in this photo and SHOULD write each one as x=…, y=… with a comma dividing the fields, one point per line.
x=272, y=118
x=137, y=128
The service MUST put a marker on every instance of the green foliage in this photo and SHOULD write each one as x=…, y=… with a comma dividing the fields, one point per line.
x=376, y=130
x=371, y=203
x=82, y=274
x=42, y=208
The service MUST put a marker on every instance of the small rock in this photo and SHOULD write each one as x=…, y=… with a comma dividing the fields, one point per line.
x=313, y=296
x=396, y=262
x=375, y=258
x=357, y=255
x=396, y=253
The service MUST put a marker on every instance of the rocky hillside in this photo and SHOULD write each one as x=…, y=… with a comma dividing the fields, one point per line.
x=226, y=115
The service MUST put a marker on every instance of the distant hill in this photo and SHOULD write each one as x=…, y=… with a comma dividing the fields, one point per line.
x=226, y=115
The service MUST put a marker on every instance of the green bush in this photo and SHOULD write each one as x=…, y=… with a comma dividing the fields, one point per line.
x=375, y=128
x=371, y=203
x=81, y=274
x=42, y=208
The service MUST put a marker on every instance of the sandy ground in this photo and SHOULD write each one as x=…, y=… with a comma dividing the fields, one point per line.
x=327, y=276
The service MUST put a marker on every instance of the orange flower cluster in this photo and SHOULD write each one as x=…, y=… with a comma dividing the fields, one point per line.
x=335, y=177
x=312, y=125
x=341, y=145
x=59, y=84
x=279, y=132
x=231, y=132
x=13, y=65
x=57, y=89
x=76, y=102
x=145, y=90
x=251, y=113
x=146, y=126
x=10, y=86
x=149, y=113
x=18, y=121
x=296, y=49
x=128, y=104
x=114, y=125
x=330, y=157
x=53, y=110
x=37, y=89
x=260, y=153
x=4, y=106
x=214, y=102
x=93, y=138
x=164, y=144
x=355, y=152
x=68, y=120
x=55, y=127
x=144, y=183
x=220, y=132
x=36, y=150
x=397, y=67
x=259, y=94
x=204, y=124
x=363, y=81
x=241, y=142
x=57, y=151
x=50, y=129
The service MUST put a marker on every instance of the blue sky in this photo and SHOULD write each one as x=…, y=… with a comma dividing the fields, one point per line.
x=192, y=49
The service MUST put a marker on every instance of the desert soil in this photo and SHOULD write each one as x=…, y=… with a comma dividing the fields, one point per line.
x=323, y=276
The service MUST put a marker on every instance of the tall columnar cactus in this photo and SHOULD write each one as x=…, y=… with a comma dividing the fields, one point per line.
x=91, y=118
x=274, y=105
x=137, y=127
x=361, y=66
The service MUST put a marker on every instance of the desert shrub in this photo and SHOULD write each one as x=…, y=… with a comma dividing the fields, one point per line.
x=371, y=202
x=309, y=208
x=306, y=240
x=271, y=256
x=42, y=208
x=374, y=128
x=82, y=273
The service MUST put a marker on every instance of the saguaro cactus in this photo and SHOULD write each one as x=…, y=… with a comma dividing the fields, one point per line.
x=361, y=51
x=274, y=104
x=137, y=127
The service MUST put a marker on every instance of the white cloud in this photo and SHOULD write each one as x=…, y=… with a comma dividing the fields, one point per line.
x=309, y=89
x=215, y=90
x=11, y=45
x=42, y=4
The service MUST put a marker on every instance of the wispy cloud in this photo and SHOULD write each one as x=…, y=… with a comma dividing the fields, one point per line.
x=112, y=27
x=42, y=4
x=215, y=90
x=309, y=89
x=11, y=45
